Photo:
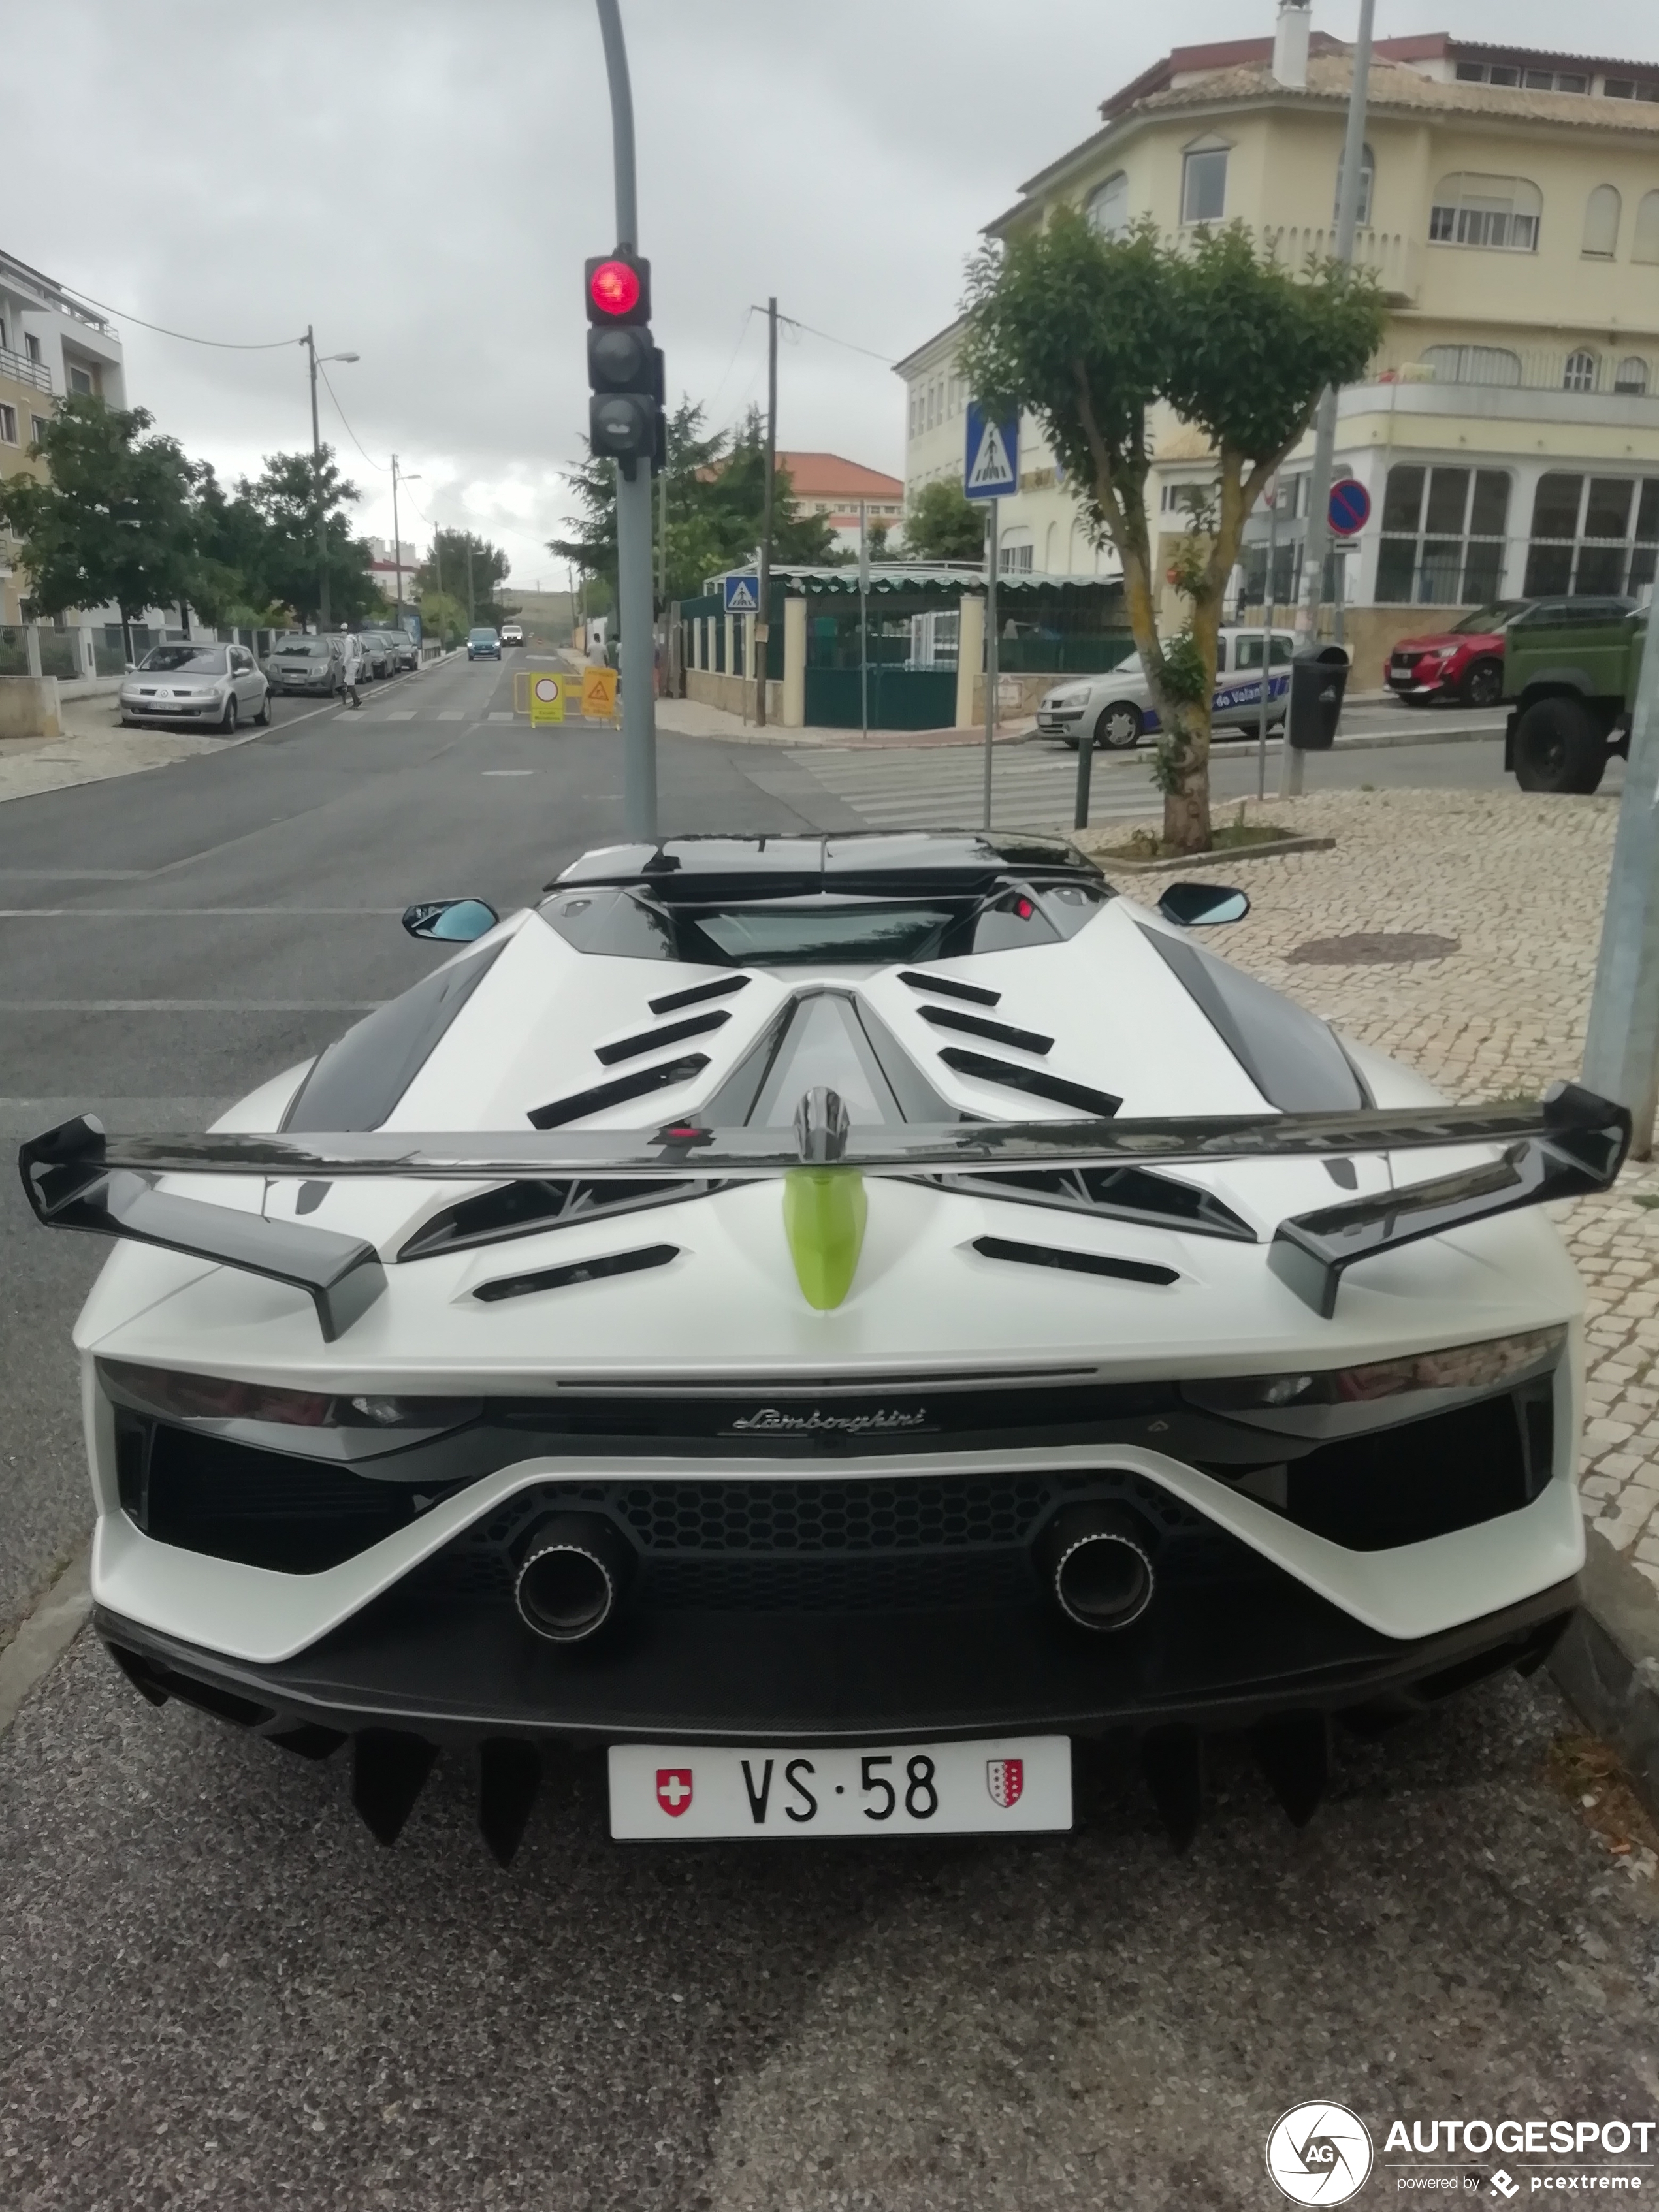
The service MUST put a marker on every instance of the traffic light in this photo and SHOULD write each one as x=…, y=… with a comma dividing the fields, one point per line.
x=624, y=368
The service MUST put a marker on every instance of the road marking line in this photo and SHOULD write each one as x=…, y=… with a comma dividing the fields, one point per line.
x=509, y=771
x=453, y=714
x=47, y=1631
x=189, y=1005
x=403, y=714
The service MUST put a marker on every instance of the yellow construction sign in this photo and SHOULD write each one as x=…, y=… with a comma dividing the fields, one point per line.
x=599, y=694
x=546, y=698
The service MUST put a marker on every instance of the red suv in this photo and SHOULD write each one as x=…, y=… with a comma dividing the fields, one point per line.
x=1464, y=662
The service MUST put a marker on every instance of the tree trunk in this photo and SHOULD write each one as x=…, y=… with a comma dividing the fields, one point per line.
x=126, y=636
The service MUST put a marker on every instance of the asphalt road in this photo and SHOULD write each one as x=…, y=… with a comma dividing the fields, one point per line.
x=216, y=1991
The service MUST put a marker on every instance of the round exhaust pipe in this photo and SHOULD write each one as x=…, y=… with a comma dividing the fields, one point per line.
x=1097, y=1563
x=572, y=1572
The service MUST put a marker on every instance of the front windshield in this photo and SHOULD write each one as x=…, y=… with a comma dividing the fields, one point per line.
x=480, y=633
x=1130, y=667
x=175, y=659
x=1487, y=618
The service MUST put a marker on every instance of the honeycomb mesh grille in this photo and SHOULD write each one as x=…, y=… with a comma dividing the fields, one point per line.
x=915, y=1543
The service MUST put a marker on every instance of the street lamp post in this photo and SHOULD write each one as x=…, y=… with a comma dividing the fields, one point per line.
x=397, y=542
x=309, y=343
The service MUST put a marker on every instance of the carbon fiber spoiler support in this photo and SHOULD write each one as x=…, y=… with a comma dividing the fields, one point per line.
x=77, y=1177
x=1571, y=1157
x=70, y=1187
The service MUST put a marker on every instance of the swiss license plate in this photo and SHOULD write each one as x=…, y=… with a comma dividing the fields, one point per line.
x=665, y=1791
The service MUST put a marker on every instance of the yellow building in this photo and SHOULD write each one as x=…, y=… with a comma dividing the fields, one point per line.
x=1508, y=431
x=50, y=343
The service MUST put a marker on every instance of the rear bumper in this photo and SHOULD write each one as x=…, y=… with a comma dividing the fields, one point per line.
x=1220, y=1658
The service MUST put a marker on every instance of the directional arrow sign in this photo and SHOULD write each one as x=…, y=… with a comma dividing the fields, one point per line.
x=991, y=460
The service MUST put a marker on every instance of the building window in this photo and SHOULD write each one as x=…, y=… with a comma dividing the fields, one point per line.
x=1204, y=184
x=1442, y=536
x=7, y=425
x=1631, y=374
x=39, y=425
x=1471, y=210
x=1367, y=178
x=80, y=379
x=1473, y=364
x=1015, y=560
x=1592, y=536
x=1602, y=222
x=1579, y=375
x=1108, y=206
x=31, y=345
x=1644, y=246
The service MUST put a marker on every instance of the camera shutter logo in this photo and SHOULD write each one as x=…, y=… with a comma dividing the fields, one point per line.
x=1319, y=2154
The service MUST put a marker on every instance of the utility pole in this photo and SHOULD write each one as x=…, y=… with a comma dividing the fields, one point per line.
x=1622, y=1048
x=1270, y=500
x=992, y=555
x=309, y=343
x=763, y=623
x=317, y=487
x=864, y=619
x=397, y=543
x=471, y=599
x=639, y=719
x=1316, y=531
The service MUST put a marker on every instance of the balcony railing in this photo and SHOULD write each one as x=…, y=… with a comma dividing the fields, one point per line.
x=1629, y=372
x=22, y=370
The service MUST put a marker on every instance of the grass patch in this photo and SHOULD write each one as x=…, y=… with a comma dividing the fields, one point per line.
x=1230, y=837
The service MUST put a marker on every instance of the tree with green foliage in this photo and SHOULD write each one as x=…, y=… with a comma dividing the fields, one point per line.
x=1089, y=334
x=716, y=483
x=115, y=521
x=275, y=531
x=444, y=569
x=943, y=524
x=442, y=615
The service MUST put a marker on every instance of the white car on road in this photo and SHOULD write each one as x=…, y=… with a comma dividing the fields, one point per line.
x=828, y=1320
x=1117, y=705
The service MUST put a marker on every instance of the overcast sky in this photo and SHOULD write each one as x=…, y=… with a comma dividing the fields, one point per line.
x=423, y=183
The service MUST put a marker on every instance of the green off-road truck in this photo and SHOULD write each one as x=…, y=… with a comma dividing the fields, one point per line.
x=1570, y=670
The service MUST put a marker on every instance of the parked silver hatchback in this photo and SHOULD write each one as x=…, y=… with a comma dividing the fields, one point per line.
x=300, y=663
x=196, y=681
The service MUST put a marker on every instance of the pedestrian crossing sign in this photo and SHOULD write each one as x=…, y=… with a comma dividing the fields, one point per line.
x=546, y=699
x=742, y=595
x=991, y=462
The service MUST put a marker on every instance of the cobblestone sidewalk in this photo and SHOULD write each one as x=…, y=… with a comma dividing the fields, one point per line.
x=1519, y=883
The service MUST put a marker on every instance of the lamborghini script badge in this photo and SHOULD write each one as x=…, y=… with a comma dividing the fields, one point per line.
x=772, y=1421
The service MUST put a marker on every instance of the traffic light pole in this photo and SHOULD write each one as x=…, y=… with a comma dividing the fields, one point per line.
x=763, y=621
x=632, y=492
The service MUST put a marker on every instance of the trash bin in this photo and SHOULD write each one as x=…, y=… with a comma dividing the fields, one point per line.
x=1319, y=676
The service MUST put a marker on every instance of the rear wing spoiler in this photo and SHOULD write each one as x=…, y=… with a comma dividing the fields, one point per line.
x=78, y=1176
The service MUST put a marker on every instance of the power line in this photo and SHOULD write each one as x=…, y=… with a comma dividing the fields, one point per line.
x=829, y=336
x=224, y=345
x=385, y=467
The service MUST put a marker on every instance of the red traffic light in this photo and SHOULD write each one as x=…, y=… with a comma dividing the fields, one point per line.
x=613, y=287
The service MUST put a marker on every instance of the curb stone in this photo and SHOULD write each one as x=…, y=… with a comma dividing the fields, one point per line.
x=44, y=1635
x=1116, y=867
x=1606, y=1664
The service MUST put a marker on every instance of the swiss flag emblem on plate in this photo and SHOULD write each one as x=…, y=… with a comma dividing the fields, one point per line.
x=674, y=1789
x=1004, y=1778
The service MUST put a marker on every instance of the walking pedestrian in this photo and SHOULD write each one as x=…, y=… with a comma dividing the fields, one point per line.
x=351, y=665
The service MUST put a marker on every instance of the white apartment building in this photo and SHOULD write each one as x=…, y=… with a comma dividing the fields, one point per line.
x=1508, y=431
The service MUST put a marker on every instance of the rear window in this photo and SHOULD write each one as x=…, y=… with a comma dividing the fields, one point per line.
x=179, y=660
x=301, y=648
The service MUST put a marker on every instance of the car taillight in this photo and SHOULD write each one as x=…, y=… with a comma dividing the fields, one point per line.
x=177, y=1396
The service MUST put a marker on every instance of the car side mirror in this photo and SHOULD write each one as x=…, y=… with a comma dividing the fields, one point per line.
x=1203, y=906
x=450, y=921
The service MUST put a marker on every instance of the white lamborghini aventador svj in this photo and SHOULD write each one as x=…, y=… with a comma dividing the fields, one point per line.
x=831, y=1320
